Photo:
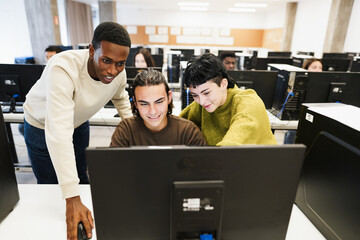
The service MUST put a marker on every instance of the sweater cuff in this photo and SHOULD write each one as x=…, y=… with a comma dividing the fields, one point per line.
x=70, y=190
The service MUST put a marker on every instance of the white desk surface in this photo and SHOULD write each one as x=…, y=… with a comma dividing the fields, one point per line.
x=105, y=117
x=40, y=214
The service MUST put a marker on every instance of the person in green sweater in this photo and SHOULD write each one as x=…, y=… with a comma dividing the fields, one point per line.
x=225, y=114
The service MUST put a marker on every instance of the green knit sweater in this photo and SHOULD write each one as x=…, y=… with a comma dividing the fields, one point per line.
x=241, y=120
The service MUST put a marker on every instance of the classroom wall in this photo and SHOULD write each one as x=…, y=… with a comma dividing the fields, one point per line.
x=310, y=26
x=15, y=38
x=352, y=41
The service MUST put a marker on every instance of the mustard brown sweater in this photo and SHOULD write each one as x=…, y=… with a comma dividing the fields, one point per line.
x=241, y=120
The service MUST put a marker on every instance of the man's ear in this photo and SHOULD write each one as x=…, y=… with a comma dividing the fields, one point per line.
x=91, y=51
x=169, y=97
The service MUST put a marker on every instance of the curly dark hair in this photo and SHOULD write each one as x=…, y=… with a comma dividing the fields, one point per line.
x=111, y=32
x=206, y=67
x=149, y=77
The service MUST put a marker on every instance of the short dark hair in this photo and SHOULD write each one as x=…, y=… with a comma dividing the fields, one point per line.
x=111, y=32
x=227, y=54
x=309, y=61
x=51, y=48
x=149, y=77
x=204, y=68
x=147, y=56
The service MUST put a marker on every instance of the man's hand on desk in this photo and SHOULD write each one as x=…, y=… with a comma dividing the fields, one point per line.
x=76, y=212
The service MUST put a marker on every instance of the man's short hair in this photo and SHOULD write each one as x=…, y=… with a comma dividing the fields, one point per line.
x=149, y=77
x=227, y=54
x=111, y=32
x=56, y=49
x=205, y=68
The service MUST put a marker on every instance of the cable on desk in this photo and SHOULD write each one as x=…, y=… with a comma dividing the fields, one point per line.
x=286, y=100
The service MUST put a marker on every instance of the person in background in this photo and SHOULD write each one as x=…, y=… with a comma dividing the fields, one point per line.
x=51, y=51
x=313, y=65
x=229, y=60
x=153, y=123
x=143, y=59
x=225, y=114
x=73, y=87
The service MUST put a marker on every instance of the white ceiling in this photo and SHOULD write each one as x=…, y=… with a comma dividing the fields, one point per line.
x=171, y=5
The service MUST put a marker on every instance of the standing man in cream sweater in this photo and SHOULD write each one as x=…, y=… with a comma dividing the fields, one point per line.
x=73, y=87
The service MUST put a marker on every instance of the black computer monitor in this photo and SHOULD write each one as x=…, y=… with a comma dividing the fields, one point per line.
x=341, y=87
x=355, y=66
x=263, y=82
x=16, y=80
x=158, y=59
x=186, y=54
x=279, y=54
x=305, y=53
x=9, y=194
x=328, y=192
x=336, y=64
x=154, y=193
x=335, y=56
x=262, y=63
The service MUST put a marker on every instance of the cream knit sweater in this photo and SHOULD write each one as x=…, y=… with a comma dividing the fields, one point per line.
x=62, y=99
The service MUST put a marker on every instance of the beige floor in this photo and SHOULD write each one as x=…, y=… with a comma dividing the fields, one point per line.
x=99, y=137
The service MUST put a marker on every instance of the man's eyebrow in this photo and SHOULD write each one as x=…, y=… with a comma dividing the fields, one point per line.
x=142, y=101
x=162, y=98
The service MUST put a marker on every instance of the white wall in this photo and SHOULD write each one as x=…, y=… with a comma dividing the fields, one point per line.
x=15, y=38
x=127, y=16
x=310, y=26
x=352, y=41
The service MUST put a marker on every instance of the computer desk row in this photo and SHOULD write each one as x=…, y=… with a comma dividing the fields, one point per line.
x=40, y=214
x=105, y=117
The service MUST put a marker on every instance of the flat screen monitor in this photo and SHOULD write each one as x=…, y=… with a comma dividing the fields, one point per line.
x=355, y=66
x=16, y=80
x=335, y=56
x=158, y=59
x=262, y=63
x=279, y=54
x=341, y=87
x=238, y=192
x=9, y=194
x=263, y=82
x=186, y=54
x=328, y=192
x=336, y=64
x=305, y=53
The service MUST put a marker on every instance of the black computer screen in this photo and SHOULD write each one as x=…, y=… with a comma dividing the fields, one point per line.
x=279, y=54
x=233, y=192
x=17, y=79
x=336, y=64
x=335, y=56
x=263, y=82
x=158, y=59
x=341, y=87
x=262, y=63
x=186, y=54
x=355, y=66
x=329, y=190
